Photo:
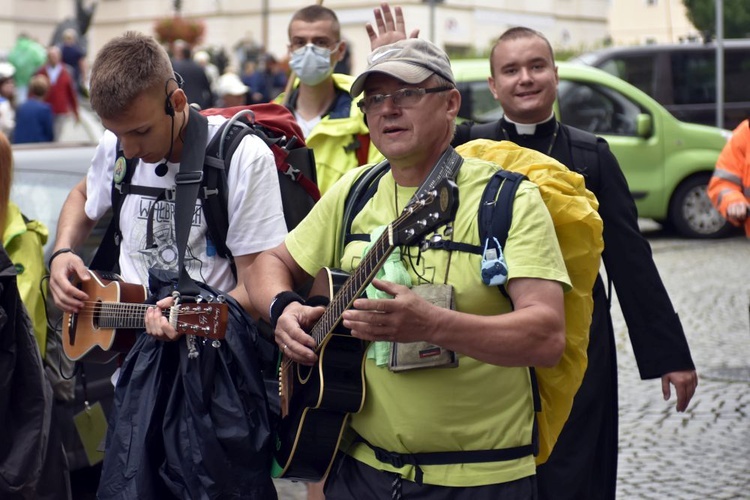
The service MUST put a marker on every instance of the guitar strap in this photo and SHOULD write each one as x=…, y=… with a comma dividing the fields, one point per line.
x=187, y=185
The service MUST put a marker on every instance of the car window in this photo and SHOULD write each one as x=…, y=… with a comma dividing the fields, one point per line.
x=694, y=77
x=477, y=103
x=737, y=70
x=40, y=196
x=638, y=70
x=597, y=109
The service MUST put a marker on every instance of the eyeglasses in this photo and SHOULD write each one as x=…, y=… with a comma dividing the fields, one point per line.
x=403, y=98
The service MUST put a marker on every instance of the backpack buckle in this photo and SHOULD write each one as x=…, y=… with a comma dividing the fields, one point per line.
x=188, y=177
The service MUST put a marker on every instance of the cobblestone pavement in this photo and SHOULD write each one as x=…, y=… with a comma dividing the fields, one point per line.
x=704, y=452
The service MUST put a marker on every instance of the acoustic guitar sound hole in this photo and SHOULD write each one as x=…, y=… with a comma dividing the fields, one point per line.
x=96, y=314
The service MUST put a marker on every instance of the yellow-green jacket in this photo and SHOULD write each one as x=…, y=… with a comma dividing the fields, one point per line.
x=24, y=242
x=339, y=135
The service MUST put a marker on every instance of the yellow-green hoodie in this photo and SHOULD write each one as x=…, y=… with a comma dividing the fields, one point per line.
x=24, y=242
x=337, y=137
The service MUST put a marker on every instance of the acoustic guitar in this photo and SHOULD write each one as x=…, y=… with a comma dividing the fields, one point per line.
x=114, y=313
x=317, y=400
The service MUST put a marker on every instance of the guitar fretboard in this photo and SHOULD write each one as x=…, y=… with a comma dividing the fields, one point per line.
x=120, y=316
x=354, y=285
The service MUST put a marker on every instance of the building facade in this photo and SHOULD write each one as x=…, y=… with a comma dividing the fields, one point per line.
x=465, y=27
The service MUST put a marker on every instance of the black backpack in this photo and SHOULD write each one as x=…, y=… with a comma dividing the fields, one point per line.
x=295, y=164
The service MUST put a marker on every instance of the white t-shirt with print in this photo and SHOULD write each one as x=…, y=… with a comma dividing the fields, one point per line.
x=256, y=218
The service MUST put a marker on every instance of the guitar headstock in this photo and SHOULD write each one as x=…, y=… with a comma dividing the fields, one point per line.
x=204, y=319
x=434, y=209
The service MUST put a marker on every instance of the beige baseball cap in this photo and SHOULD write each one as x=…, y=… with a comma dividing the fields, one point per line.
x=412, y=61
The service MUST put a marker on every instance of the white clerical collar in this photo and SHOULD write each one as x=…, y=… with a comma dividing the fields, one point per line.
x=527, y=128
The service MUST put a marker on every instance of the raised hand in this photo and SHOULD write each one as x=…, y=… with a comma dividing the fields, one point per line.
x=390, y=28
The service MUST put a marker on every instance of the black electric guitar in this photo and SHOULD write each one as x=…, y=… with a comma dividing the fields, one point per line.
x=316, y=400
x=115, y=311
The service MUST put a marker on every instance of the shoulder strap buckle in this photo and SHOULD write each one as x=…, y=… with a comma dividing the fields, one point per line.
x=192, y=177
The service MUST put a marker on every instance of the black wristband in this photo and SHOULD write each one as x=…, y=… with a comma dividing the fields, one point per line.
x=280, y=302
x=56, y=253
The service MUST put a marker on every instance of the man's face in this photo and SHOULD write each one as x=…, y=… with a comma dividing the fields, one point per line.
x=409, y=134
x=145, y=130
x=525, y=79
x=319, y=33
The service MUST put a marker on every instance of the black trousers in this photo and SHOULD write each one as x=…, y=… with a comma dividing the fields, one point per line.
x=583, y=464
x=351, y=479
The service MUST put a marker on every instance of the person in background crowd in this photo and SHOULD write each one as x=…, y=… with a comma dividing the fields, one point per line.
x=24, y=241
x=196, y=84
x=433, y=432
x=203, y=59
x=7, y=99
x=33, y=460
x=75, y=58
x=35, y=122
x=523, y=79
x=231, y=91
x=729, y=187
x=62, y=95
x=27, y=56
x=267, y=81
x=329, y=117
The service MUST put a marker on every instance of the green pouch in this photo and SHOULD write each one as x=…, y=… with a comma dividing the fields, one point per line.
x=91, y=425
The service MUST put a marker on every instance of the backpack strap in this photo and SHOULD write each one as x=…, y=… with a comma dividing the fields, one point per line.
x=584, y=152
x=360, y=193
x=108, y=253
x=496, y=213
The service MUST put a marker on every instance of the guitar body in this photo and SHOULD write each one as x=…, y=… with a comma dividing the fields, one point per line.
x=83, y=333
x=316, y=400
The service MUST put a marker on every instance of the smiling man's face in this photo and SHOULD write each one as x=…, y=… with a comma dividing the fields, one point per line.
x=525, y=79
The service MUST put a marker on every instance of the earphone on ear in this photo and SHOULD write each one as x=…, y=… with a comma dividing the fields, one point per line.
x=168, y=108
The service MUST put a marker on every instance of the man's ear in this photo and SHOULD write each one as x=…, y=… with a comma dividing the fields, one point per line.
x=491, y=85
x=179, y=100
x=454, y=103
x=341, y=51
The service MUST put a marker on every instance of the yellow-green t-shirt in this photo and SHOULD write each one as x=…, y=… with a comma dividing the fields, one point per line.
x=475, y=406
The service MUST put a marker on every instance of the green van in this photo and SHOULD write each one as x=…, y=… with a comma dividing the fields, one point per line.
x=667, y=162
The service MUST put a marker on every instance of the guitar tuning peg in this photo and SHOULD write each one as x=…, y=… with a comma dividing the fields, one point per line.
x=436, y=238
x=424, y=246
x=216, y=344
x=221, y=299
x=448, y=231
x=198, y=299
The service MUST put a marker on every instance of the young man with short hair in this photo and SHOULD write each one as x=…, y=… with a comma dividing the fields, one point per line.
x=135, y=93
x=329, y=117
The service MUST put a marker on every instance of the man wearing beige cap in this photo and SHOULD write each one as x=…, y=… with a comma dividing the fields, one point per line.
x=231, y=91
x=460, y=427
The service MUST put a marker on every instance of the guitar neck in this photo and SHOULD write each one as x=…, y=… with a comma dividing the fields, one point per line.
x=118, y=315
x=354, y=286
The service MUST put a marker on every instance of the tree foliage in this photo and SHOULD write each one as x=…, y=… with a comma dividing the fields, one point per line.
x=702, y=13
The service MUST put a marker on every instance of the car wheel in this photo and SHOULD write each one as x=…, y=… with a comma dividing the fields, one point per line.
x=692, y=214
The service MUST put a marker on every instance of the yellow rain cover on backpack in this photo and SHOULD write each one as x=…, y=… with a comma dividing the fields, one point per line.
x=579, y=230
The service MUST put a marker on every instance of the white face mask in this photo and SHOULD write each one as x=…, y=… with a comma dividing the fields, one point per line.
x=312, y=64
